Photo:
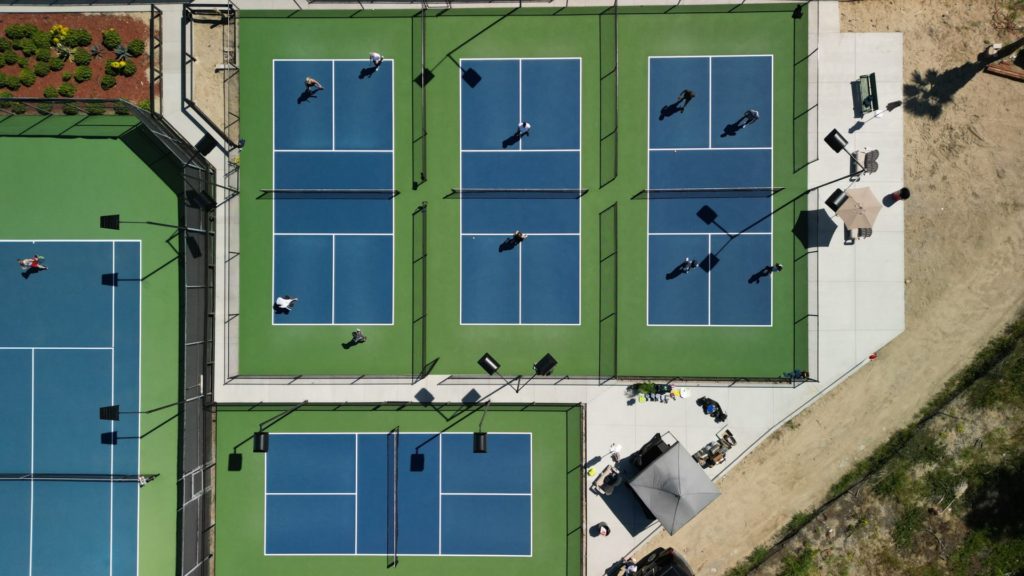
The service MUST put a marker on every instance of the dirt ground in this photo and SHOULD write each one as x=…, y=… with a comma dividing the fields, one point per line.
x=964, y=132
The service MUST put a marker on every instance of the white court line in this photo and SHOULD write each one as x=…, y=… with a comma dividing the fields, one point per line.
x=711, y=148
x=520, y=282
x=334, y=234
x=710, y=269
x=531, y=234
x=56, y=348
x=32, y=465
x=520, y=141
x=771, y=283
x=709, y=234
x=273, y=212
x=711, y=99
x=110, y=489
x=523, y=494
x=138, y=445
x=525, y=150
x=331, y=151
x=312, y=493
x=355, y=504
x=579, y=201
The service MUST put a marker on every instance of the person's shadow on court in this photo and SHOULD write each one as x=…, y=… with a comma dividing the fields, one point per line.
x=367, y=72
x=512, y=140
x=307, y=94
x=280, y=310
x=761, y=274
x=730, y=130
x=26, y=274
x=510, y=243
x=684, y=267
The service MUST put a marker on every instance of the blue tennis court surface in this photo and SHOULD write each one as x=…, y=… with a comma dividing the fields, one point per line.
x=710, y=191
x=335, y=494
x=529, y=184
x=69, y=347
x=333, y=174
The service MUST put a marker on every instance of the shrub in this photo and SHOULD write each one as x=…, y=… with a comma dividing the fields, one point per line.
x=111, y=39
x=121, y=109
x=57, y=64
x=44, y=54
x=18, y=31
x=44, y=107
x=78, y=37
x=22, y=62
x=70, y=109
x=81, y=57
x=27, y=77
x=5, y=44
x=82, y=73
x=50, y=92
x=144, y=104
x=108, y=82
x=136, y=47
x=13, y=82
x=67, y=90
x=28, y=47
x=10, y=57
x=18, y=107
x=114, y=67
x=129, y=68
x=94, y=109
x=5, y=94
x=41, y=39
x=66, y=76
x=42, y=69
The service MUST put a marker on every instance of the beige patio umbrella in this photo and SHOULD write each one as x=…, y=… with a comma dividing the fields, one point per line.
x=860, y=208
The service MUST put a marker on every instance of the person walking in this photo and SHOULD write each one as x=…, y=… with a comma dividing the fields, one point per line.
x=748, y=118
x=376, y=59
x=775, y=268
x=34, y=263
x=523, y=129
x=311, y=83
x=684, y=98
x=285, y=303
x=518, y=237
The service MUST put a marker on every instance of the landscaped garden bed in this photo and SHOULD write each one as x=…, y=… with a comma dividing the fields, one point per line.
x=69, y=55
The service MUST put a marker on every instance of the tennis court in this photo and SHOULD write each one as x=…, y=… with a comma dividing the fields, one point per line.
x=412, y=494
x=71, y=347
x=333, y=191
x=527, y=183
x=710, y=191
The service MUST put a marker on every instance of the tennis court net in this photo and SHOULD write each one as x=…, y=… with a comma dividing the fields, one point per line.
x=140, y=479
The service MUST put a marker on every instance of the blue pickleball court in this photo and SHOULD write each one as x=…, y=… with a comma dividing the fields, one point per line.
x=414, y=494
x=71, y=347
x=709, y=191
x=334, y=191
x=529, y=184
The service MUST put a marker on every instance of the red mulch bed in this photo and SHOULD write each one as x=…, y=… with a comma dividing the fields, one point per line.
x=134, y=88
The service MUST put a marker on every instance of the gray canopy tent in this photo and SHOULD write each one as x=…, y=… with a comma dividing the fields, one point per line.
x=674, y=488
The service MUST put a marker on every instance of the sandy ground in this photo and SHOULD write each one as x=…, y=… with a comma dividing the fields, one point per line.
x=964, y=135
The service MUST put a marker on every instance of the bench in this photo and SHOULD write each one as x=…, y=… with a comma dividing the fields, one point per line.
x=1006, y=70
x=867, y=94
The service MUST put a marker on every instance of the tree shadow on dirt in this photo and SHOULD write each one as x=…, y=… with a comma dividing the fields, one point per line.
x=995, y=505
x=928, y=93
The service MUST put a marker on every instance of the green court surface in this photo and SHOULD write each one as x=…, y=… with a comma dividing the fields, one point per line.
x=57, y=188
x=613, y=337
x=556, y=486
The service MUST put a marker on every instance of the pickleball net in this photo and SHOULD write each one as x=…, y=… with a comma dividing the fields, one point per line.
x=327, y=193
